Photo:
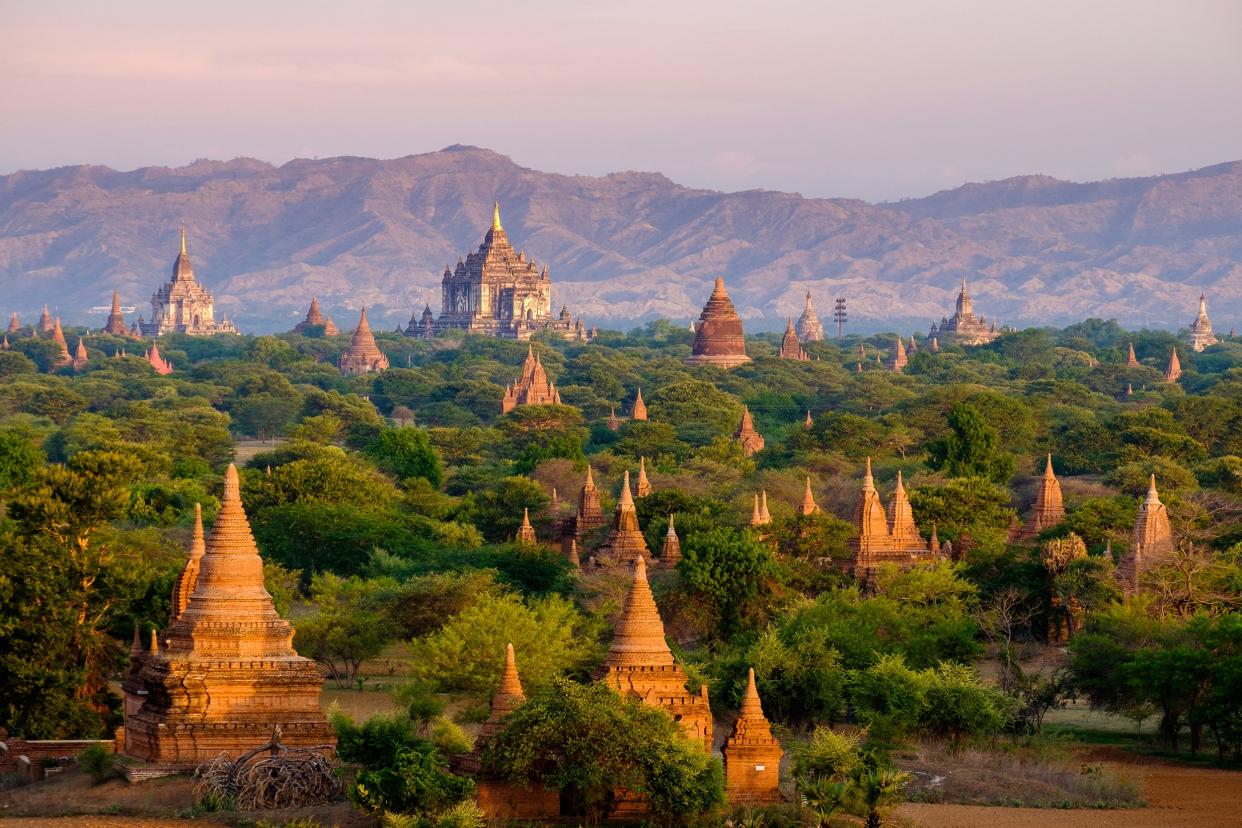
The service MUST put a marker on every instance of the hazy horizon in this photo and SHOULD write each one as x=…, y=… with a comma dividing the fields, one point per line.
x=880, y=101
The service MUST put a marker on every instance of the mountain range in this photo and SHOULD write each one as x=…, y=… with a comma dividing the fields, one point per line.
x=621, y=248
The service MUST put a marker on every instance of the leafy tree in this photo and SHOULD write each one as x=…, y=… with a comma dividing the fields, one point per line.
x=728, y=569
x=349, y=625
x=588, y=742
x=497, y=508
x=417, y=782
x=407, y=453
x=799, y=675
x=955, y=704
x=550, y=638
x=970, y=505
x=57, y=595
x=19, y=460
x=972, y=448
x=13, y=363
x=264, y=415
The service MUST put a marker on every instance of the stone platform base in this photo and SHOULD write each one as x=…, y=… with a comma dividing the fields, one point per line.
x=143, y=772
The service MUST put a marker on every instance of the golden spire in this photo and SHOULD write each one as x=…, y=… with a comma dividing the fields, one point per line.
x=626, y=502
x=496, y=217
x=751, y=707
x=639, y=634
x=510, y=683
x=183, y=240
x=809, y=506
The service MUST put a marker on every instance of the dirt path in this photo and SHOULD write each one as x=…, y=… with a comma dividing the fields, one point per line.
x=1177, y=796
x=102, y=822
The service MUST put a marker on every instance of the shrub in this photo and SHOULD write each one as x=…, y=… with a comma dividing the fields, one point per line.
x=98, y=761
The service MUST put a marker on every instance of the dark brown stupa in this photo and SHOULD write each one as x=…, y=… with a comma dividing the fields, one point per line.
x=791, y=348
x=625, y=540
x=671, y=553
x=718, y=337
x=750, y=440
x=116, y=320
x=1049, y=508
x=315, y=318
x=227, y=673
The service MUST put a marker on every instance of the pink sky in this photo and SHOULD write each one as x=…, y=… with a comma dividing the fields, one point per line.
x=875, y=100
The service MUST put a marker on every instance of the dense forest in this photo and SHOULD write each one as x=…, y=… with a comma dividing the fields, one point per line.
x=386, y=506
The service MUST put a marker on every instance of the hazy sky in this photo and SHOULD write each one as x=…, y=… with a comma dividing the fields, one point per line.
x=876, y=99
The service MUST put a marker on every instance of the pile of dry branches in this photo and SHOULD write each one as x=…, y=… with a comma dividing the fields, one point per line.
x=272, y=776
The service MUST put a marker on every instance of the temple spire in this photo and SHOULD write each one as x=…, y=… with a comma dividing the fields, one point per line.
x=808, y=506
x=639, y=638
x=183, y=250
x=496, y=216
x=626, y=503
x=751, y=706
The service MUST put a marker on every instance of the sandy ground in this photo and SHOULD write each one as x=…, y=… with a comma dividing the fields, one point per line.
x=1177, y=796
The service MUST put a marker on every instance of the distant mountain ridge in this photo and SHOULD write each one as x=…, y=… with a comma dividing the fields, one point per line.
x=622, y=247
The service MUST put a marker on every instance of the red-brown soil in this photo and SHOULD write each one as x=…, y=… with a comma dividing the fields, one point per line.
x=155, y=802
x=1177, y=795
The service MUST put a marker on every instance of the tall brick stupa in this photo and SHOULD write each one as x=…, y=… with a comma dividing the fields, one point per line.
x=718, y=337
x=224, y=673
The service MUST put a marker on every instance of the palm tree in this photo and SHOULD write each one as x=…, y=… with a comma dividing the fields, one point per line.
x=876, y=790
x=824, y=798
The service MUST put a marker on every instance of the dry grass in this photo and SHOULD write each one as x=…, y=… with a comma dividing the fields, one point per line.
x=1037, y=778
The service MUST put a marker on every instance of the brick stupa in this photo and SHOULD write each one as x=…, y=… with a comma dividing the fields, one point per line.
x=752, y=756
x=362, y=356
x=644, y=485
x=1049, y=508
x=639, y=663
x=315, y=318
x=500, y=799
x=791, y=348
x=587, y=517
x=808, y=506
x=625, y=540
x=884, y=536
x=227, y=673
x=58, y=336
x=116, y=320
x=80, y=357
x=639, y=411
x=526, y=532
x=899, y=361
x=1151, y=541
x=671, y=553
x=162, y=366
x=1173, y=372
x=718, y=337
x=750, y=440
x=45, y=321
x=532, y=388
